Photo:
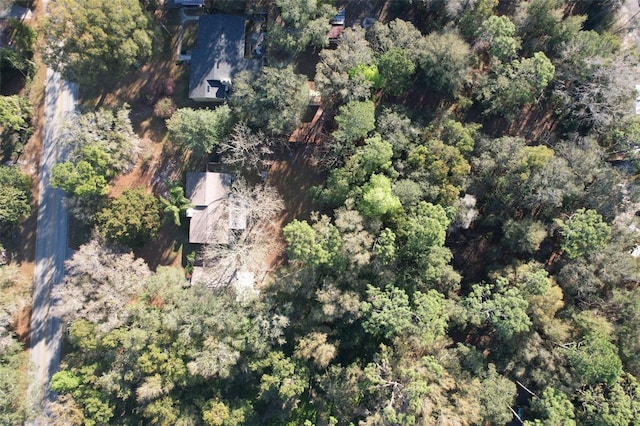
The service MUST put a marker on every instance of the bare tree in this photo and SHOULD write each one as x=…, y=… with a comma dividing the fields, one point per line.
x=607, y=95
x=595, y=80
x=15, y=297
x=100, y=282
x=262, y=202
x=248, y=249
x=246, y=149
x=63, y=411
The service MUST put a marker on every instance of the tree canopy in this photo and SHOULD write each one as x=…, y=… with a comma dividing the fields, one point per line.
x=460, y=248
x=200, y=130
x=15, y=199
x=132, y=219
x=81, y=34
x=275, y=100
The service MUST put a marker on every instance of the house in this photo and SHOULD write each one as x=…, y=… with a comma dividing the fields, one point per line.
x=218, y=56
x=188, y=3
x=15, y=11
x=215, y=212
x=8, y=12
x=209, y=217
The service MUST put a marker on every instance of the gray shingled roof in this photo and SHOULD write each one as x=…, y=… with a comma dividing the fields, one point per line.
x=218, y=56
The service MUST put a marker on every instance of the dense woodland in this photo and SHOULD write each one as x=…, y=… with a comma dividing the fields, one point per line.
x=469, y=260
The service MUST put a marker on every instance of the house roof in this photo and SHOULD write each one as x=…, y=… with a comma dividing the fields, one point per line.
x=208, y=193
x=17, y=12
x=189, y=2
x=218, y=56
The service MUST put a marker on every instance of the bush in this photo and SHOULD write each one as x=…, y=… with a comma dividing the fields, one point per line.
x=164, y=108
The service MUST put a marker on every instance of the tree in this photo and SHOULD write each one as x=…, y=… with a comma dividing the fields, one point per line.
x=517, y=84
x=595, y=81
x=511, y=177
x=332, y=72
x=368, y=73
x=615, y=405
x=15, y=199
x=105, y=138
x=169, y=340
x=431, y=312
x=355, y=120
x=423, y=259
x=303, y=23
x=498, y=393
x=100, y=282
x=601, y=14
x=498, y=34
x=400, y=388
x=398, y=35
x=523, y=236
x=274, y=100
x=441, y=170
x=553, y=409
x=303, y=244
x=13, y=359
x=13, y=61
x=346, y=182
x=624, y=306
x=164, y=108
x=606, y=96
x=246, y=149
x=247, y=250
x=200, y=130
x=377, y=197
x=15, y=114
x=445, y=62
x=15, y=124
x=425, y=226
x=473, y=17
x=314, y=346
x=80, y=180
x=583, y=233
x=387, y=312
x=80, y=34
x=282, y=379
x=23, y=37
x=132, y=219
x=396, y=70
x=503, y=307
x=596, y=360
x=102, y=145
x=543, y=26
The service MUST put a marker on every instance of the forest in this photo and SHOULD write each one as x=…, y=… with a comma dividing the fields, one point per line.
x=470, y=257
